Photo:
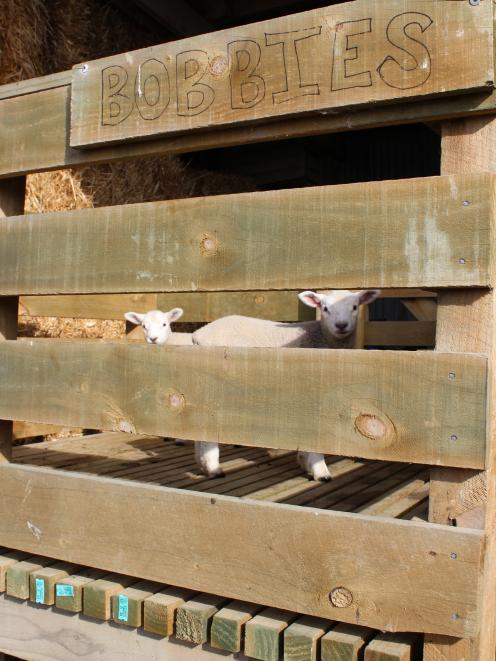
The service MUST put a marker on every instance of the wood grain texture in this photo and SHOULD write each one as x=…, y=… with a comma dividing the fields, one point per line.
x=186, y=532
x=132, y=614
x=420, y=407
x=228, y=625
x=48, y=577
x=97, y=595
x=17, y=580
x=345, y=642
x=160, y=610
x=194, y=618
x=48, y=635
x=7, y=559
x=392, y=647
x=413, y=232
x=74, y=602
x=300, y=63
x=302, y=639
x=445, y=648
x=264, y=634
x=35, y=129
x=12, y=193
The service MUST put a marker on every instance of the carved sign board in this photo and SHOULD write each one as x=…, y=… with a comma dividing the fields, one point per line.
x=319, y=61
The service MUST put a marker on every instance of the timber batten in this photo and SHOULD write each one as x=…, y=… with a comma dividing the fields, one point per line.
x=427, y=232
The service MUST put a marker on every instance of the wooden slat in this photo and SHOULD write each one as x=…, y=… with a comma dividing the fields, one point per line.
x=302, y=639
x=392, y=647
x=127, y=605
x=264, y=634
x=400, y=333
x=204, y=306
x=301, y=63
x=396, y=405
x=22, y=87
x=42, y=582
x=228, y=625
x=69, y=591
x=18, y=575
x=194, y=618
x=344, y=642
x=185, y=530
x=7, y=559
x=160, y=610
x=413, y=232
x=97, y=595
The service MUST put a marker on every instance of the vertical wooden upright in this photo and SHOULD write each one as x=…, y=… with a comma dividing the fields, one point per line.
x=12, y=193
x=465, y=322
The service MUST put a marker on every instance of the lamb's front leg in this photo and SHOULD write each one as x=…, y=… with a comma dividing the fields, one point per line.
x=314, y=464
x=207, y=458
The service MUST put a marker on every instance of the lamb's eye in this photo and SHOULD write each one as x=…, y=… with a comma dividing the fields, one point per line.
x=355, y=307
x=326, y=309
x=165, y=324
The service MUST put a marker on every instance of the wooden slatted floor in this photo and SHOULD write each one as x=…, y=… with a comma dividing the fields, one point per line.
x=370, y=487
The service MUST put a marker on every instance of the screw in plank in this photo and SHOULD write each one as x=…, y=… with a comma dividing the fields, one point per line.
x=451, y=376
x=454, y=437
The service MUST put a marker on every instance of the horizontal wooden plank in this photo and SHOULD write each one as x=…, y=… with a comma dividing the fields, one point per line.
x=207, y=543
x=198, y=306
x=400, y=333
x=422, y=407
x=32, y=85
x=41, y=140
x=427, y=232
x=322, y=60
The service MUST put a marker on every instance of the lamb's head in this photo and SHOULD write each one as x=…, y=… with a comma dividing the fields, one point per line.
x=155, y=323
x=339, y=309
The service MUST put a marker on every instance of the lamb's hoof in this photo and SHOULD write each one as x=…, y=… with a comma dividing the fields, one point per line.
x=325, y=478
x=218, y=475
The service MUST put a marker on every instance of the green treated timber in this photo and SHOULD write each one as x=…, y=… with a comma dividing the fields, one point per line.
x=69, y=590
x=160, y=610
x=7, y=559
x=249, y=548
x=194, y=618
x=302, y=639
x=97, y=595
x=345, y=642
x=422, y=407
x=406, y=233
x=18, y=576
x=393, y=647
x=127, y=605
x=264, y=634
x=42, y=582
x=228, y=625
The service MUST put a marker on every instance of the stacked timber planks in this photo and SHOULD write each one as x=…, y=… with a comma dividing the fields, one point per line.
x=220, y=625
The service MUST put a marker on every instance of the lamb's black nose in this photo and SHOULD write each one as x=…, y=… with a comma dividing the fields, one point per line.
x=341, y=326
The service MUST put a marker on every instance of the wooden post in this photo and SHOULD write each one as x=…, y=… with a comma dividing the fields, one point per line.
x=466, y=322
x=11, y=204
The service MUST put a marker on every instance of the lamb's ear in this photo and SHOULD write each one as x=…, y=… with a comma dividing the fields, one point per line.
x=134, y=317
x=310, y=298
x=175, y=314
x=366, y=296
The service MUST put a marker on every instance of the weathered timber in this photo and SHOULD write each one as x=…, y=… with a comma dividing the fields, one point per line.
x=7, y=559
x=18, y=575
x=228, y=625
x=413, y=232
x=311, y=62
x=400, y=333
x=11, y=203
x=41, y=140
x=302, y=639
x=127, y=605
x=97, y=595
x=42, y=582
x=159, y=610
x=420, y=407
x=204, y=306
x=345, y=642
x=69, y=591
x=184, y=530
x=264, y=634
x=392, y=647
x=194, y=618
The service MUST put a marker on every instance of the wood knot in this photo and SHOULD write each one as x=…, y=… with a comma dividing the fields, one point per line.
x=259, y=299
x=218, y=66
x=370, y=426
x=209, y=246
x=176, y=401
x=340, y=597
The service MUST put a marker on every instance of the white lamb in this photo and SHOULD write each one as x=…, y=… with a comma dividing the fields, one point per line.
x=157, y=326
x=336, y=329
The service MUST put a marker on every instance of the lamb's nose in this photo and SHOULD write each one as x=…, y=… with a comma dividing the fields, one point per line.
x=153, y=339
x=340, y=326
